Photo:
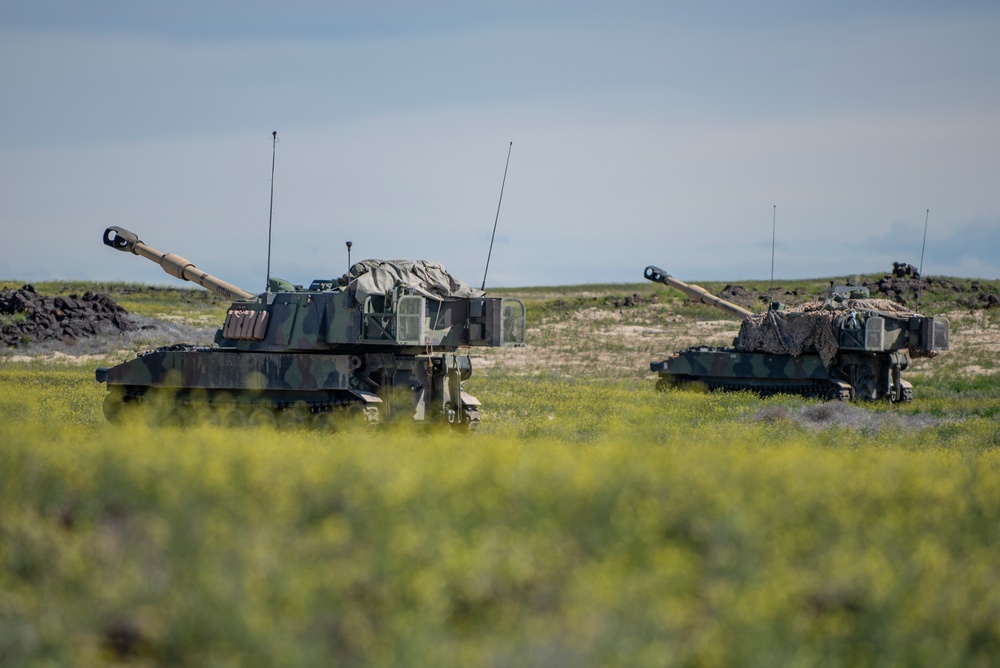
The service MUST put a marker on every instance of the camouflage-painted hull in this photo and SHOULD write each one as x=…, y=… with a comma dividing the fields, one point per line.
x=297, y=387
x=853, y=376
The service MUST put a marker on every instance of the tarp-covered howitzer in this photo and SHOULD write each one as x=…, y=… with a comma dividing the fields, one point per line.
x=384, y=341
x=847, y=347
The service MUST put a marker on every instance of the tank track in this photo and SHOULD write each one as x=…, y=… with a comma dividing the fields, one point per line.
x=816, y=389
x=235, y=410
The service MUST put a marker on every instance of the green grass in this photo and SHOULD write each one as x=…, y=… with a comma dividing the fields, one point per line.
x=13, y=318
x=592, y=521
x=589, y=523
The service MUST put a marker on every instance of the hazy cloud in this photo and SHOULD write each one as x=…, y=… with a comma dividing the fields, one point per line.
x=651, y=133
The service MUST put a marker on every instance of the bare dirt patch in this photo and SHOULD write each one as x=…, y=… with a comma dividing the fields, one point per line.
x=841, y=414
x=597, y=342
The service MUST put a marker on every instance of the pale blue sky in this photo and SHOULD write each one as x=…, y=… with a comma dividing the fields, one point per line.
x=644, y=133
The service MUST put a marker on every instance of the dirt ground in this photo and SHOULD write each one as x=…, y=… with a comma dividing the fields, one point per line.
x=595, y=342
x=622, y=343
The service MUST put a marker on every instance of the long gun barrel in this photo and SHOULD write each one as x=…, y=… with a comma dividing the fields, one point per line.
x=695, y=292
x=121, y=239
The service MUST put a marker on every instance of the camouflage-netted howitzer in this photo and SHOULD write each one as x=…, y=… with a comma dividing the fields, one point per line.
x=847, y=347
x=384, y=341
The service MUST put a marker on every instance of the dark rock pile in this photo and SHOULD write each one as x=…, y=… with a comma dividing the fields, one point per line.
x=26, y=316
x=904, y=270
x=904, y=283
x=983, y=296
x=739, y=295
x=895, y=287
x=634, y=299
x=734, y=292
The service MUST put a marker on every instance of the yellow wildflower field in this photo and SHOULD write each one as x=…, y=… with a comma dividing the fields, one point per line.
x=589, y=523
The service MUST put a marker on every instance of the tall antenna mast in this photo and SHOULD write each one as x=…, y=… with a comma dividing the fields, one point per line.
x=774, y=222
x=270, y=211
x=920, y=279
x=493, y=236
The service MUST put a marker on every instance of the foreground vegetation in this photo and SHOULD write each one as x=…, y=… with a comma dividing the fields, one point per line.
x=592, y=521
x=589, y=524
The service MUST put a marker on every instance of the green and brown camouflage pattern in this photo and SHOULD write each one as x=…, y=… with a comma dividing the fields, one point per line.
x=856, y=376
x=334, y=320
x=869, y=352
x=311, y=383
x=309, y=355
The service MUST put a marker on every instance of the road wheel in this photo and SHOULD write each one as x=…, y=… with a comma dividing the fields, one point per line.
x=294, y=417
x=263, y=416
x=115, y=407
x=324, y=421
x=233, y=418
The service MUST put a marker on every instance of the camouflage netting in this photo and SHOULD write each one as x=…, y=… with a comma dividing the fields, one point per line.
x=31, y=317
x=430, y=279
x=810, y=328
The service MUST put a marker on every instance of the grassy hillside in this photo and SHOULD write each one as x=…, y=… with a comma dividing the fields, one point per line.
x=593, y=521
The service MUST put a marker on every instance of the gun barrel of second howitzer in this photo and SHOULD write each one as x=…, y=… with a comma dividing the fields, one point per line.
x=121, y=239
x=695, y=292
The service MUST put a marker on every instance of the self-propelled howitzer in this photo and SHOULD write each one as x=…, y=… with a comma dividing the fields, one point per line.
x=387, y=340
x=846, y=347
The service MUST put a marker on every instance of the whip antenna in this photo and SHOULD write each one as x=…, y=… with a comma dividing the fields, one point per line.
x=920, y=279
x=493, y=236
x=270, y=211
x=774, y=220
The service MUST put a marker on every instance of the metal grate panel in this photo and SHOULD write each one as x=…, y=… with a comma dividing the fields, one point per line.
x=875, y=333
x=410, y=320
x=512, y=323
